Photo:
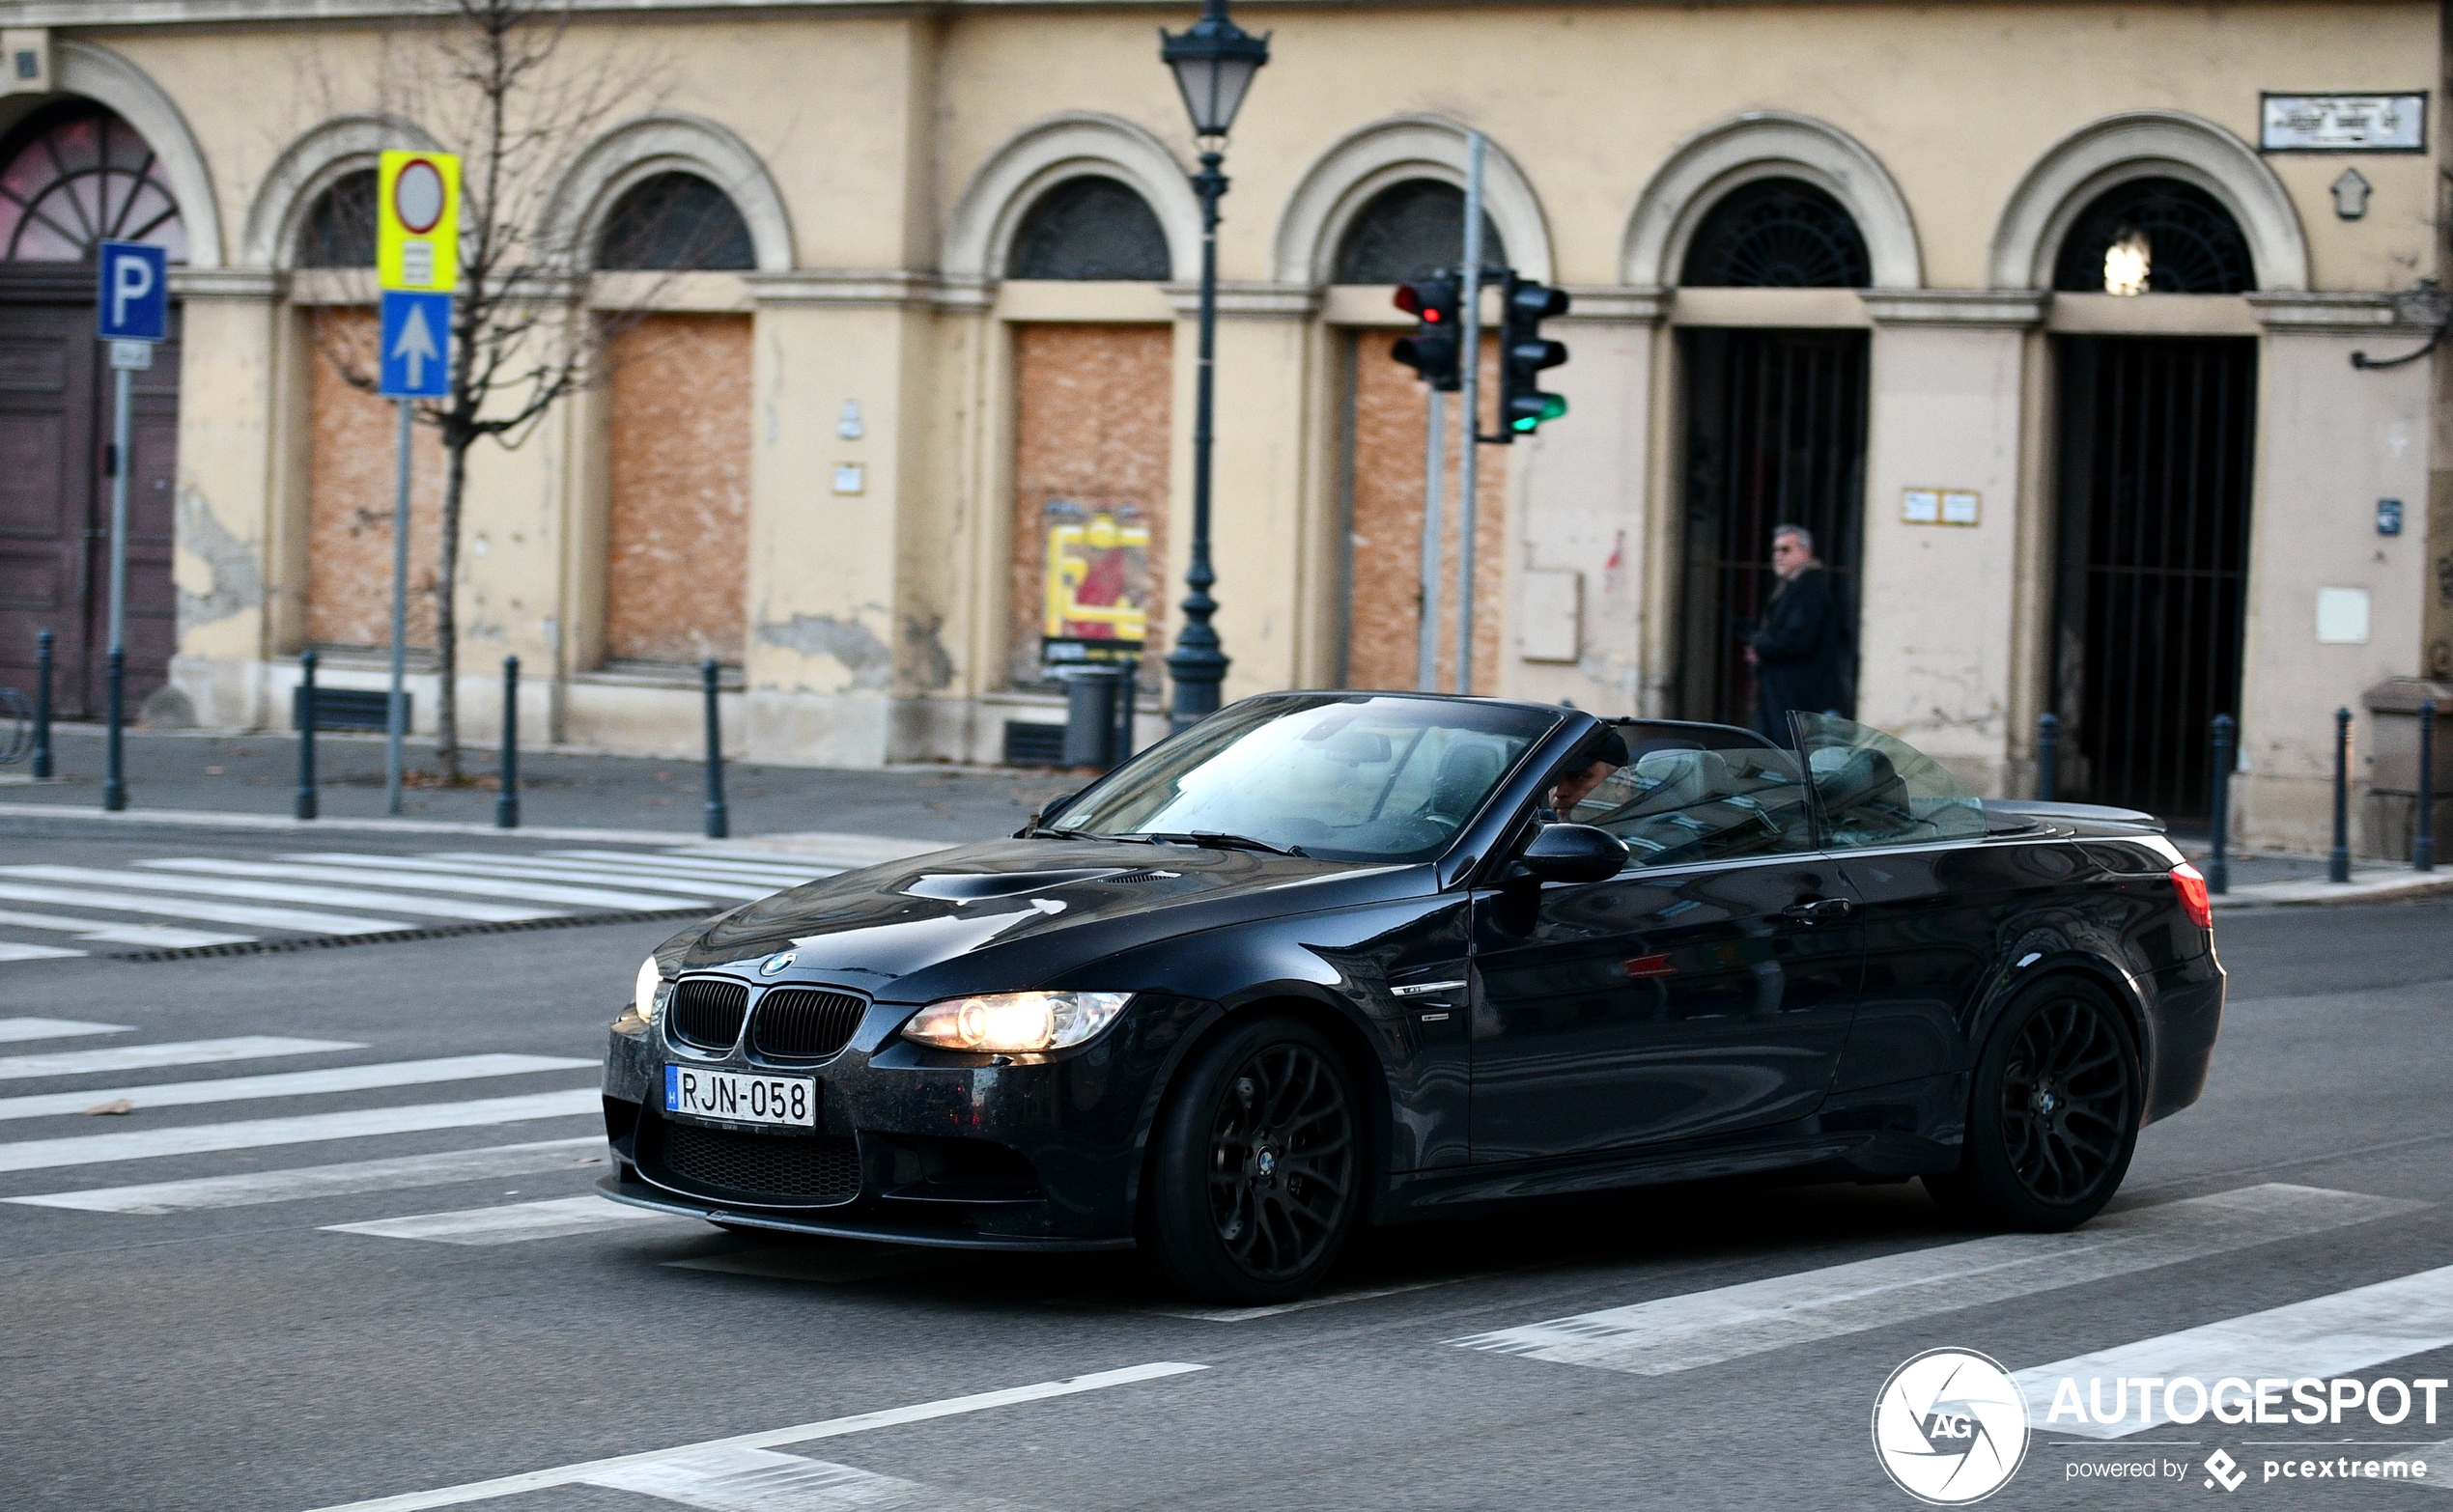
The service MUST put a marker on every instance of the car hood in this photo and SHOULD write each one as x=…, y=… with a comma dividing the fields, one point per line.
x=1014, y=914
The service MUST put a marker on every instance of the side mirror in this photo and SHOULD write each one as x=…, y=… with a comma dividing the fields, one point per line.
x=1573, y=854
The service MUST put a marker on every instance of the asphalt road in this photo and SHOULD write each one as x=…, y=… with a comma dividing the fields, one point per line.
x=279, y=1345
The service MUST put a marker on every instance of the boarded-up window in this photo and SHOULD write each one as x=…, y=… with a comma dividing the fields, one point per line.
x=1091, y=417
x=1384, y=605
x=677, y=565
x=352, y=480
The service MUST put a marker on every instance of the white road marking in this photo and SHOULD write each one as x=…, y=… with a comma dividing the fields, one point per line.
x=1302, y=1305
x=105, y=932
x=745, y=870
x=2326, y=1336
x=178, y=1052
x=506, y=886
x=643, y=865
x=573, y=874
x=292, y=1084
x=761, y=1480
x=362, y=876
x=298, y=920
x=513, y=1222
x=588, y=1471
x=2437, y=1457
x=14, y=1029
x=10, y=950
x=1674, y=1333
x=223, y=883
x=250, y=1189
x=144, y=1144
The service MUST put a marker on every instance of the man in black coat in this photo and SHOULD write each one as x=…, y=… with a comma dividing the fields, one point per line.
x=1797, y=650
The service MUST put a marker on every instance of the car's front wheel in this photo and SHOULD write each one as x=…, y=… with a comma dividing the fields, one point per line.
x=1255, y=1178
x=2055, y=1114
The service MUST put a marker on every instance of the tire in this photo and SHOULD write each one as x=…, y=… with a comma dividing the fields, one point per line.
x=1256, y=1173
x=2054, y=1116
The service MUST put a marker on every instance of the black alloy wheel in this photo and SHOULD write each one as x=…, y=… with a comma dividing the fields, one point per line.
x=2055, y=1114
x=1255, y=1178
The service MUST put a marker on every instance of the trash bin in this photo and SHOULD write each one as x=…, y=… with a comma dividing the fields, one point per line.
x=1090, y=695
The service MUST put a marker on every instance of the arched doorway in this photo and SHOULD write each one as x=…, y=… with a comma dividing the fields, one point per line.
x=73, y=174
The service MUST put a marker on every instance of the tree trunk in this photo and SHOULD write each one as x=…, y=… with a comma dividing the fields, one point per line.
x=446, y=627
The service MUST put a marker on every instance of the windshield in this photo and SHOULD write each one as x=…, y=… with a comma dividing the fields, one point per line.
x=1354, y=777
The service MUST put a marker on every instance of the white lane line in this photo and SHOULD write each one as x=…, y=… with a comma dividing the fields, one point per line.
x=1674, y=1333
x=290, y=1083
x=107, y=933
x=761, y=1480
x=589, y=1470
x=178, y=1052
x=10, y=950
x=13, y=1030
x=2326, y=1336
x=1305, y=1305
x=402, y=1173
x=575, y=875
x=513, y=1222
x=509, y=888
x=788, y=876
x=456, y=882
x=144, y=1144
x=298, y=920
x=223, y=883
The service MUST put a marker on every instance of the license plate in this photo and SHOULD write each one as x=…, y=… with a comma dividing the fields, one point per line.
x=788, y=1101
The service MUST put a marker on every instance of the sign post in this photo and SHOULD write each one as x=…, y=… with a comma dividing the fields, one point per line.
x=134, y=313
x=417, y=265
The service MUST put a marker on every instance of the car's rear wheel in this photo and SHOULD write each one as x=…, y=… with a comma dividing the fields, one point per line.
x=2055, y=1114
x=1255, y=1178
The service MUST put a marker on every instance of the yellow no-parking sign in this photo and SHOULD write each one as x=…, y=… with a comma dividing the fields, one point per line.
x=417, y=222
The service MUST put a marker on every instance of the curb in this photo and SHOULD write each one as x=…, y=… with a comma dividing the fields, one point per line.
x=2391, y=888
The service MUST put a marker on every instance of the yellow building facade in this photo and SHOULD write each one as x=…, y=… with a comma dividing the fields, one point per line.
x=866, y=416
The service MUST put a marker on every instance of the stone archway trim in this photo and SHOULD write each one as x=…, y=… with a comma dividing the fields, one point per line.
x=1768, y=144
x=305, y=169
x=2138, y=144
x=101, y=75
x=663, y=142
x=1365, y=161
x=1044, y=155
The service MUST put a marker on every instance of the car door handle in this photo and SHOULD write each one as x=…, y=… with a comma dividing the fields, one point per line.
x=1820, y=910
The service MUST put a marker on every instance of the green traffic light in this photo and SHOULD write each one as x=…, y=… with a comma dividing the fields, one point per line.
x=1552, y=408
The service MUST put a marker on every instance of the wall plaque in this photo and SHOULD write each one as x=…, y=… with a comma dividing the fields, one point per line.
x=2344, y=123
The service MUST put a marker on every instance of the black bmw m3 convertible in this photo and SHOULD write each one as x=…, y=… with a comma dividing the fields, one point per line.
x=1330, y=959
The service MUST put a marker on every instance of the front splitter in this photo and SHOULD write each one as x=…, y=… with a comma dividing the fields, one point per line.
x=659, y=1201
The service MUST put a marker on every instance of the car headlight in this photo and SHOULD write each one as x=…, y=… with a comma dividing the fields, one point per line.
x=1015, y=1023
x=648, y=994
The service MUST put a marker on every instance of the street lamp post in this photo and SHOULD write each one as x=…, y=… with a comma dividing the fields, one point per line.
x=1214, y=63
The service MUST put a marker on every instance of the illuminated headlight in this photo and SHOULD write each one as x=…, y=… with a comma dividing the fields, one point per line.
x=1015, y=1023
x=648, y=994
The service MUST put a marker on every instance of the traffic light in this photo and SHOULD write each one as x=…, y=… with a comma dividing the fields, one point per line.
x=1523, y=353
x=1433, y=350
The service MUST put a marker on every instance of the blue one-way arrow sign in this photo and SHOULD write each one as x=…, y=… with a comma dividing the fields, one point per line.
x=416, y=344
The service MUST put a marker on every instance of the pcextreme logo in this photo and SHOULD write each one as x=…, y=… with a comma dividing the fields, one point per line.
x=1950, y=1427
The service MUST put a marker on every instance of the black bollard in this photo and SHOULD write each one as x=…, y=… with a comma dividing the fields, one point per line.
x=718, y=823
x=114, y=772
x=1130, y=692
x=507, y=799
x=2338, y=865
x=43, y=707
x=306, y=735
x=2218, y=866
x=2424, y=840
x=2047, y=756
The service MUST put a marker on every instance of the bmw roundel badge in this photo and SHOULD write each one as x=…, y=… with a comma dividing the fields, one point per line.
x=776, y=963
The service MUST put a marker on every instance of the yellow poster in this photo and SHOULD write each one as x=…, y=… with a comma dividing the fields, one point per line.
x=417, y=222
x=1097, y=583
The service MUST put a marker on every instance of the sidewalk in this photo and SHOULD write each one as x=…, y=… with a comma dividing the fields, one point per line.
x=187, y=773
x=2274, y=879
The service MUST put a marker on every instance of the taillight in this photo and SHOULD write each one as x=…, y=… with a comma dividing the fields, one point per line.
x=2195, y=900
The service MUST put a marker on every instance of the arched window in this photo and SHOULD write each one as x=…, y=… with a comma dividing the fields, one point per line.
x=1089, y=228
x=1408, y=230
x=676, y=221
x=77, y=174
x=1777, y=234
x=2154, y=235
x=340, y=226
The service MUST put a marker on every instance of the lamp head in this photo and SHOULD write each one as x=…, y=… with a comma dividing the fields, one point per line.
x=1214, y=63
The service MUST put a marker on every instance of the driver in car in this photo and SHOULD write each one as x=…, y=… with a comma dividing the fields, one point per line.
x=1591, y=766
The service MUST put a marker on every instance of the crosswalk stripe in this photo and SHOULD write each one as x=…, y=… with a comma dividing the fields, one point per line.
x=13, y=1030
x=848, y=852
x=176, y=1052
x=141, y=1144
x=12, y=950
x=1683, y=1333
x=107, y=931
x=298, y=920
x=512, y=1223
x=399, y=1173
x=454, y=880
x=762, y=1480
x=223, y=883
x=290, y=1083
x=504, y=887
x=577, y=875
x=2323, y=1337
x=789, y=876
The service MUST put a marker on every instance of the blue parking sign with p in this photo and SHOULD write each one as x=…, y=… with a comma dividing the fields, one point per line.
x=417, y=346
x=135, y=292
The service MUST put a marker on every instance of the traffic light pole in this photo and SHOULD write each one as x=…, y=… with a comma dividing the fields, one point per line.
x=1197, y=666
x=1470, y=372
x=114, y=768
x=1435, y=463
